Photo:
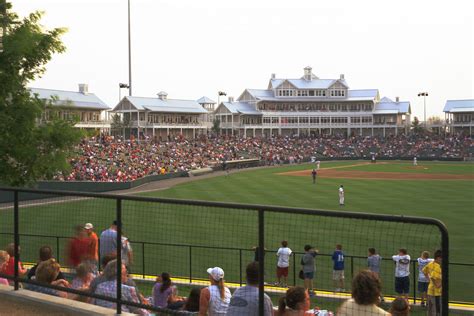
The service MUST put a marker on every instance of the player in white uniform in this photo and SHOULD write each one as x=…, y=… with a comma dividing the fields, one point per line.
x=317, y=164
x=414, y=161
x=341, y=195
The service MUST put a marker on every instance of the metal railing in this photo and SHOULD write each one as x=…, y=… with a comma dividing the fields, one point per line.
x=261, y=211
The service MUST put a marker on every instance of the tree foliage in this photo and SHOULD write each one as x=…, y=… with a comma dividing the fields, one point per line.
x=31, y=147
x=416, y=126
x=216, y=126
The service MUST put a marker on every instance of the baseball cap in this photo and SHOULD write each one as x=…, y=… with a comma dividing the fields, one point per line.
x=88, y=226
x=216, y=273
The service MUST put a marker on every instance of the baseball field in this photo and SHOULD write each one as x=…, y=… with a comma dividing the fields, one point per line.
x=186, y=240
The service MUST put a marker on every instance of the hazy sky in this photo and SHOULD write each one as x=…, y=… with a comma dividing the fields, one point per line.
x=193, y=48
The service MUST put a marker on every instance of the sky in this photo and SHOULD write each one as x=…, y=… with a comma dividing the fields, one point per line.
x=192, y=48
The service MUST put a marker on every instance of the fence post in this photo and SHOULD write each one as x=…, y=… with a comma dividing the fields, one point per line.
x=294, y=270
x=16, y=237
x=261, y=261
x=143, y=260
x=352, y=267
x=190, y=265
x=240, y=265
x=57, y=248
x=414, y=282
x=119, y=256
x=444, y=271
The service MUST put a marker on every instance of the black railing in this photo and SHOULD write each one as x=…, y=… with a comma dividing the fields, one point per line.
x=261, y=211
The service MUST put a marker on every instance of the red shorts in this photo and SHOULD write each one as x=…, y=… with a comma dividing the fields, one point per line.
x=282, y=272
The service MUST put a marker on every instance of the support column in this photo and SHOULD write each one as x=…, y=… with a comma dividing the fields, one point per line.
x=254, y=133
x=372, y=131
x=194, y=132
x=384, y=131
x=232, y=125
x=245, y=132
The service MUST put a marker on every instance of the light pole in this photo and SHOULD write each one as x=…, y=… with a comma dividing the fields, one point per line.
x=424, y=95
x=129, y=54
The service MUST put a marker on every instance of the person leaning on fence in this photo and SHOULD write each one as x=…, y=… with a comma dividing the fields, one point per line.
x=245, y=299
x=366, y=289
x=4, y=257
x=308, y=267
x=109, y=288
x=423, y=281
x=45, y=253
x=295, y=302
x=433, y=272
x=108, y=240
x=47, y=272
x=402, y=272
x=283, y=263
x=338, y=268
x=214, y=299
x=374, y=261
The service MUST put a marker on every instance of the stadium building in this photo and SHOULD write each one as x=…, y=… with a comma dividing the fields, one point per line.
x=91, y=112
x=310, y=105
x=459, y=116
x=161, y=117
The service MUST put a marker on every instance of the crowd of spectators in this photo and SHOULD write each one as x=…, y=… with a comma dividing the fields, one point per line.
x=115, y=160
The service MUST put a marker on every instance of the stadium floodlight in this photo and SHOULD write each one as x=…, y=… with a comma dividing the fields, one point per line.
x=122, y=86
x=424, y=95
x=219, y=94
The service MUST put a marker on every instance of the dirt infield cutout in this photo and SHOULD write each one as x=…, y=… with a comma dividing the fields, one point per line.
x=356, y=174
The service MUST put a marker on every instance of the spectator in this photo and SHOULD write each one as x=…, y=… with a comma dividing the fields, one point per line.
x=4, y=258
x=423, y=281
x=338, y=269
x=83, y=277
x=45, y=253
x=78, y=247
x=402, y=272
x=214, y=300
x=9, y=268
x=366, y=289
x=432, y=272
x=295, y=302
x=308, y=261
x=92, y=257
x=127, y=253
x=109, y=288
x=47, y=272
x=108, y=241
x=373, y=263
x=283, y=263
x=101, y=277
x=245, y=299
x=192, y=302
x=165, y=293
x=400, y=307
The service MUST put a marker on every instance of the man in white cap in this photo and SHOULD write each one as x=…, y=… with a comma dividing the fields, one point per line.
x=92, y=258
x=214, y=299
x=341, y=195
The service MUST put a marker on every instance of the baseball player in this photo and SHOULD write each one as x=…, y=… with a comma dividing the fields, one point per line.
x=341, y=195
x=314, y=174
x=415, y=162
x=317, y=164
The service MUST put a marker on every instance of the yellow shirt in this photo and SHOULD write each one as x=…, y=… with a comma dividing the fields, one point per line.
x=433, y=269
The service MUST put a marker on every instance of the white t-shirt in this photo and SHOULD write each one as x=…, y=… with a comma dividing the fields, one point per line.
x=341, y=192
x=284, y=254
x=421, y=264
x=402, y=268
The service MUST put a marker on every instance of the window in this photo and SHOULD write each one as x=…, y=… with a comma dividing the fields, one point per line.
x=304, y=120
x=314, y=120
x=266, y=120
x=311, y=93
x=324, y=120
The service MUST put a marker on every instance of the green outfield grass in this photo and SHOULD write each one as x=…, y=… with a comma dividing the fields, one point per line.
x=447, y=200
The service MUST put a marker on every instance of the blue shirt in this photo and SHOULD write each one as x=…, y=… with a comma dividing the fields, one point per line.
x=338, y=258
x=108, y=242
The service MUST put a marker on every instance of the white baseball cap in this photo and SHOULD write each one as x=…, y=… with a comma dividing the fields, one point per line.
x=216, y=273
x=88, y=226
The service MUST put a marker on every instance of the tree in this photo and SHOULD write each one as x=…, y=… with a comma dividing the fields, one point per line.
x=416, y=126
x=216, y=126
x=31, y=147
x=116, y=125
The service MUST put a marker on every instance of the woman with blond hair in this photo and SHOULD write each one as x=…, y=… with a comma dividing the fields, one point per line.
x=214, y=299
x=47, y=273
x=4, y=258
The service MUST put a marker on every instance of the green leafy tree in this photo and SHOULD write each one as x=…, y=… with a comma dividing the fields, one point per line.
x=416, y=126
x=216, y=126
x=35, y=143
x=116, y=125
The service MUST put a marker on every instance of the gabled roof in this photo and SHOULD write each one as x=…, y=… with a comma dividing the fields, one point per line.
x=168, y=105
x=205, y=100
x=71, y=98
x=364, y=94
x=387, y=106
x=304, y=84
x=261, y=93
x=241, y=108
x=459, y=106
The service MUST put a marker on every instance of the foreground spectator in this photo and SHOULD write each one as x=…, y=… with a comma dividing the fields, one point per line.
x=83, y=277
x=338, y=268
x=47, y=272
x=9, y=268
x=366, y=289
x=164, y=293
x=283, y=263
x=4, y=258
x=245, y=299
x=433, y=272
x=400, y=307
x=402, y=272
x=373, y=263
x=92, y=256
x=307, y=262
x=78, y=248
x=108, y=241
x=295, y=302
x=214, y=299
x=45, y=253
x=109, y=288
x=192, y=302
x=423, y=281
